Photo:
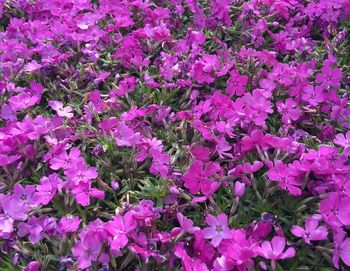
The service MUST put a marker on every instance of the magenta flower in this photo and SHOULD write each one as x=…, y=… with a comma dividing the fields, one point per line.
x=87, y=250
x=203, y=250
x=23, y=101
x=80, y=173
x=145, y=213
x=329, y=77
x=274, y=249
x=312, y=95
x=280, y=173
x=239, y=189
x=223, y=147
x=102, y=77
x=201, y=153
x=335, y=210
x=236, y=84
x=64, y=160
x=289, y=110
x=126, y=86
x=24, y=196
x=32, y=66
x=312, y=231
x=198, y=177
x=61, y=111
x=203, y=71
x=8, y=159
x=218, y=229
x=145, y=251
x=7, y=113
x=13, y=210
x=68, y=224
x=221, y=10
x=125, y=136
x=248, y=168
x=186, y=225
x=256, y=138
x=33, y=129
x=37, y=228
x=343, y=141
x=32, y=266
x=341, y=248
x=47, y=189
x=160, y=163
x=188, y=263
x=236, y=252
x=119, y=229
x=83, y=192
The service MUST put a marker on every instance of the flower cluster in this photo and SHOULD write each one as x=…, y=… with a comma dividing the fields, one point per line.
x=174, y=135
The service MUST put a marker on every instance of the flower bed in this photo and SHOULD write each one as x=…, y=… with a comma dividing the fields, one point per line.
x=174, y=135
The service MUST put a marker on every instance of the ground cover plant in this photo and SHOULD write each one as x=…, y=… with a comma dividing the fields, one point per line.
x=174, y=135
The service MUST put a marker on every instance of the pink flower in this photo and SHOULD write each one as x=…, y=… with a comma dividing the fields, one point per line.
x=239, y=189
x=68, y=224
x=343, y=141
x=125, y=136
x=23, y=101
x=12, y=211
x=188, y=263
x=8, y=159
x=119, y=229
x=7, y=113
x=203, y=71
x=335, y=210
x=125, y=86
x=81, y=173
x=280, y=173
x=221, y=10
x=341, y=248
x=102, y=77
x=273, y=250
x=32, y=66
x=312, y=95
x=60, y=110
x=248, y=168
x=83, y=191
x=160, y=163
x=25, y=196
x=289, y=110
x=218, y=229
x=198, y=177
x=47, y=189
x=329, y=77
x=32, y=266
x=65, y=161
x=186, y=225
x=203, y=249
x=236, y=252
x=33, y=129
x=87, y=250
x=37, y=228
x=223, y=147
x=312, y=231
x=236, y=84
x=201, y=153
x=256, y=138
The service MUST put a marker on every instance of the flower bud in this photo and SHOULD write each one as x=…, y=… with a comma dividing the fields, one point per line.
x=239, y=189
x=115, y=185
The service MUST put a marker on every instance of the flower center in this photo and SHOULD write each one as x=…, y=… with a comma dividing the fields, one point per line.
x=218, y=228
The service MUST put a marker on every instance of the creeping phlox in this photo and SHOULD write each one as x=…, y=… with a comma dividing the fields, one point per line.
x=174, y=135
